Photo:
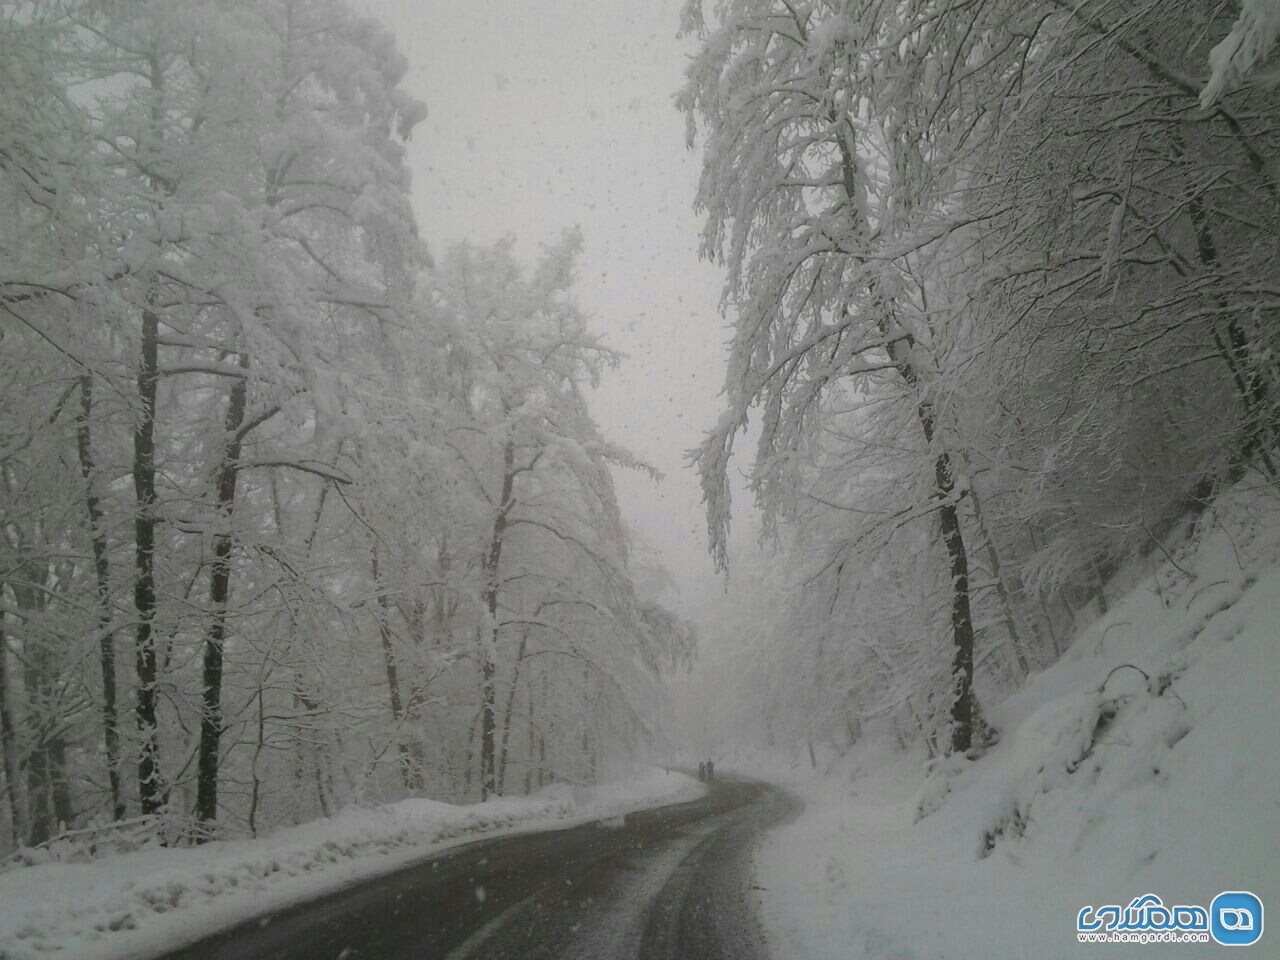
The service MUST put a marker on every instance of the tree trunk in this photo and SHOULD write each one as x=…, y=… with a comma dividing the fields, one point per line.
x=219, y=595
x=468, y=762
x=1101, y=593
x=900, y=352
x=102, y=574
x=151, y=792
x=39, y=807
x=9, y=740
x=488, y=731
x=528, y=771
x=59, y=785
x=309, y=752
x=257, y=755
x=144, y=591
x=506, y=713
x=1002, y=591
x=588, y=753
x=48, y=796
x=962, y=706
x=961, y=617
x=417, y=696
x=488, y=669
x=544, y=775
x=407, y=774
x=1239, y=355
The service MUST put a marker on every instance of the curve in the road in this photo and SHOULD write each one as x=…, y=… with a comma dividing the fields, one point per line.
x=674, y=882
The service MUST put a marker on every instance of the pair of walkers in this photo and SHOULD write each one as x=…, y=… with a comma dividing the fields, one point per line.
x=706, y=770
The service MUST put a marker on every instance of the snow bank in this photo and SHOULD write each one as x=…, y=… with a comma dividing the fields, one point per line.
x=1109, y=782
x=139, y=904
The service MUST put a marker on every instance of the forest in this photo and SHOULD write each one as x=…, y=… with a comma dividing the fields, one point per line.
x=1004, y=322
x=297, y=513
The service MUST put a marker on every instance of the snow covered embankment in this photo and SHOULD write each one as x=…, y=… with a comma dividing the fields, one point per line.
x=1109, y=783
x=140, y=904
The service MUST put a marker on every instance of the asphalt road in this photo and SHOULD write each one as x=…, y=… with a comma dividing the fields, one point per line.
x=667, y=884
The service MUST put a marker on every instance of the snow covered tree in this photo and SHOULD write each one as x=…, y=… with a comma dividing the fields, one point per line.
x=1123, y=233
x=827, y=181
x=552, y=561
x=243, y=214
x=973, y=252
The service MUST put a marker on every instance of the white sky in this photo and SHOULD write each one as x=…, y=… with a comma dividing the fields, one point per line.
x=556, y=113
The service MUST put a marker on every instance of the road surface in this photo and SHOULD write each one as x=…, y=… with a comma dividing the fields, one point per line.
x=667, y=884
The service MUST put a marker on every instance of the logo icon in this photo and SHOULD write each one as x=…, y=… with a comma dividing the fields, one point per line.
x=1235, y=918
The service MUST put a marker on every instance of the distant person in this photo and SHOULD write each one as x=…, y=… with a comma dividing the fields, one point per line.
x=702, y=771
x=711, y=769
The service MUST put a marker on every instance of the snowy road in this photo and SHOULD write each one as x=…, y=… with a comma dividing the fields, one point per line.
x=668, y=883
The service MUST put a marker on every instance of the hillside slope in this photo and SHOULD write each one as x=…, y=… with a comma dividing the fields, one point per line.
x=1147, y=760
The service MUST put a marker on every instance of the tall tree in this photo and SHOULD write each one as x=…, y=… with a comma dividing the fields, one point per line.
x=102, y=583
x=554, y=540
x=822, y=242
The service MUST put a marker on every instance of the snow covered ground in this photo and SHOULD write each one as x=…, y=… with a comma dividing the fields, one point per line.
x=138, y=904
x=1168, y=785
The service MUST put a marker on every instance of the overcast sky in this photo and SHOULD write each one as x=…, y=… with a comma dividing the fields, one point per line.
x=549, y=114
